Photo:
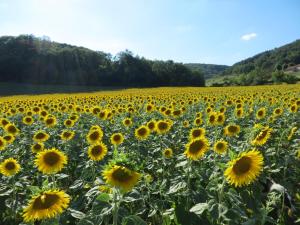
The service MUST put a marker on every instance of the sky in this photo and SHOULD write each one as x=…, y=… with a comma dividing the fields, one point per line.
x=188, y=31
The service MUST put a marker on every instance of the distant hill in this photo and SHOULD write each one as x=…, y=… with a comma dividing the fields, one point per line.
x=32, y=60
x=263, y=68
x=209, y=70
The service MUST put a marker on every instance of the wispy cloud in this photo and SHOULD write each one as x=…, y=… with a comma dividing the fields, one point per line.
x=248, y=37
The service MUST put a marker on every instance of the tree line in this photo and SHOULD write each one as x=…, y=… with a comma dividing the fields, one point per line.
x=34, y=60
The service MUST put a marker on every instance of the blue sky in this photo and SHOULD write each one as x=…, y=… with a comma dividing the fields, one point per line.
x=203, y=31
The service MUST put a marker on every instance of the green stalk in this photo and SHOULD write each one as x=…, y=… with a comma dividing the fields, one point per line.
x=116, y=206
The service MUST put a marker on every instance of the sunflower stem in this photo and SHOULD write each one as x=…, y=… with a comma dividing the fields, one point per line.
x=188, y=184
x=115, y=154
x=116, y=206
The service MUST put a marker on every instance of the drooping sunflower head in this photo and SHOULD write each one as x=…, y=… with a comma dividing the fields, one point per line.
x=292, y=132
x=121, y=177
x=40, y=136
x=142, y=132
x=50, y=161
x=117, y=139
x=196, y=148
x=94, y=136
x=37, y=147
x=221, y=146
x=231, y=130
x=244, y=169
x=67, y=135
x=9, y=167
x=168, y=153
x=11, y=129
x=46, y=205
x=262, y=137
x=97, y=151
x=197, y=133
x=163, y=126
x=3, y=143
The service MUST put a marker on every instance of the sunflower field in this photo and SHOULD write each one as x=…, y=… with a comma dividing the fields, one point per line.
x=171, y=156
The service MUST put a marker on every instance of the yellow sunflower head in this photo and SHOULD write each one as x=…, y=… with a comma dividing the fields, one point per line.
x=163, y=126
x=69, y=123
x=196, y=148
x=221, y=146
x=277, y=112
x=97, y=151
x=168, y=153
x=9, y=167
x=40, y=136
x=262, y=137
x=151, y=125
x=94, y=136
x=50, y=161
x=197, y=133
x=117, y=139
x=28, y=120
x=46, y=205
x=198, y=121
x=185, y=123
x=142, y=132
x=9, y=138
x=292, y=132
x=11, y=129
x=121, y=177
x=50, y=121
x=67, y=135
x=232, y=130
x=3, y=143
x=127, y=122
x=261, y=113
x=244, y=169
x=37, y=147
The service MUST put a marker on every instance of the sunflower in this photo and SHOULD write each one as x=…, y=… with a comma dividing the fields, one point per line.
x=197, y=133
x=121, y=177
x=9, y=167
x=50, y=161
x=45, y=205
x=262, y=137
x=50, y=121
x=37, y=147
x=9, y=138
x=69, y=123
x=292, y=132
x=67, y=135
x=198, y=121
x=196, y=148
x=185, y=123
x=277, y=112
x=220, y=118
x=294, y=108
x=261, y=113
x=245, y=168
x=142, y=132
x=117, y=138
x=163, y=126
x=232, y=130
x=221, y=146
x=127, y=122
x=151, y=125
x=94, y=136
x=3, y=143
x=168, y=153
x=40, y=136
x=212, y=118
x=28, y=120
x=97, y=151
x=11, y=129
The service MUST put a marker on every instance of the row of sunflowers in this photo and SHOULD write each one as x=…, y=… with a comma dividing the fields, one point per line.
x=152, y=156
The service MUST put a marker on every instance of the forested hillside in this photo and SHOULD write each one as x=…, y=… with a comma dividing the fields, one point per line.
x=28, y=59
x=209, y=70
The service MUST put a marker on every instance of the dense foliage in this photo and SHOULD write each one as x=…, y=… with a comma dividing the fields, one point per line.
x=209, y=70
x=161, y=156
x=28, y=59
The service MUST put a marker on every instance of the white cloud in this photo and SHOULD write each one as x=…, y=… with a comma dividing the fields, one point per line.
x=248, y=37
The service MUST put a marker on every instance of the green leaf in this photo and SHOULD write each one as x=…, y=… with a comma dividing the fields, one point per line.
x=177, y=187
x=103, y=197
x=199, y=208
x=76, y=214
x=133, y=220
